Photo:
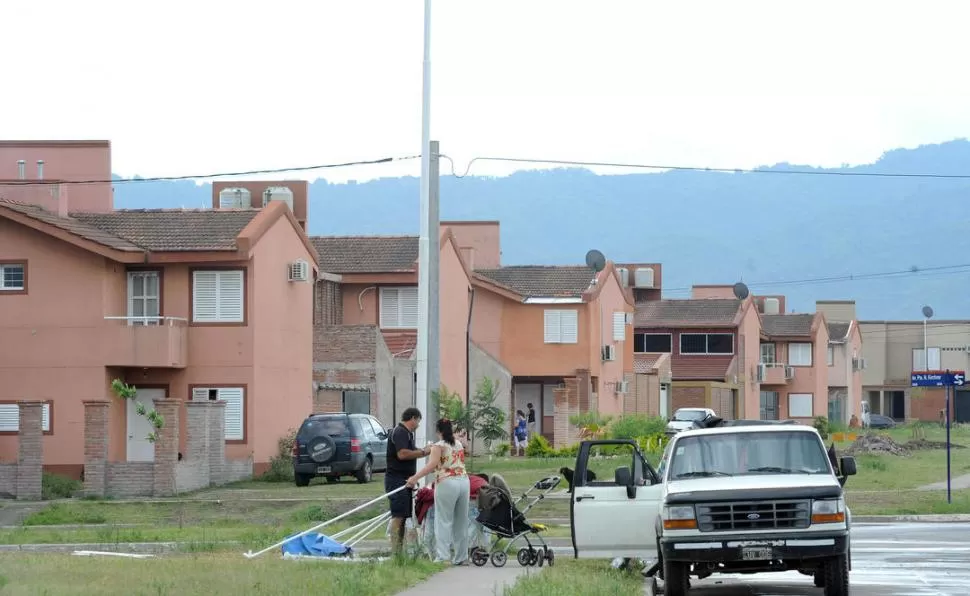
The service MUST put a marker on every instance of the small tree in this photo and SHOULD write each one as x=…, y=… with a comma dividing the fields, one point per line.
x=479, y=417
x=126, y=392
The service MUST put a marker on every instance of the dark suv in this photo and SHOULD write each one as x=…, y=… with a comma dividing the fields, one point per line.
x=339, y=444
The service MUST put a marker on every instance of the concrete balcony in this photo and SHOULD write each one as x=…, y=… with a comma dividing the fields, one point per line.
x=775, y=373
x=146, y=342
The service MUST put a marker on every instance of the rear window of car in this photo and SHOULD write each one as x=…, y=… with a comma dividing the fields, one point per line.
x=335, y=426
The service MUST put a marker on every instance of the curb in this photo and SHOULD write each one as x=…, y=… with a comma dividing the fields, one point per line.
x=956, y=518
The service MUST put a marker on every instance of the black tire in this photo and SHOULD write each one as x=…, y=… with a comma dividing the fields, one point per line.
x=499, y=558
x=819, y=579
x=524, y=557
x=836, y=572
x=550, y=557
x=366, y=472
x=676, y=578
x=333, y=479
x=321, y=449
x=479, y=556
x=302, y=479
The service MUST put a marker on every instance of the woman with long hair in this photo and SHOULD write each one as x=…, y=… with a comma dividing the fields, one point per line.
x=451, y=494
x=521, y=434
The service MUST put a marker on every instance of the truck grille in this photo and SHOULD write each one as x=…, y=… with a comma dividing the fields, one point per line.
x=753, y=515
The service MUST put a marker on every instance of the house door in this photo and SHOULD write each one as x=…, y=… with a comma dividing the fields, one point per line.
x=139, y=427
x=898, y=409
x=664, y=400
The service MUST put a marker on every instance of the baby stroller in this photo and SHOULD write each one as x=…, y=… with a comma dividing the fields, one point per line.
x=502, y=518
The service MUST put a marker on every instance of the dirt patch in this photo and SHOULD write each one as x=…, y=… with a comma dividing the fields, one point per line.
x=876, y=444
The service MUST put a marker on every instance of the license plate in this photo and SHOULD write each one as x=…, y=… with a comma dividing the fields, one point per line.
x=323, y=470
x=761, y=553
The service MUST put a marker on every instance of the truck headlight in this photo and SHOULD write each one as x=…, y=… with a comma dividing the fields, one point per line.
x=679, y=517
x=828, y=511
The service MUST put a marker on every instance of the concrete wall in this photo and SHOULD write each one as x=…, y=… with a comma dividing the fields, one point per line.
x=484, y=365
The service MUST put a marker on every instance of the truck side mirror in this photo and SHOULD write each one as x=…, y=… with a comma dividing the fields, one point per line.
x=623, y=477
x=847, y=464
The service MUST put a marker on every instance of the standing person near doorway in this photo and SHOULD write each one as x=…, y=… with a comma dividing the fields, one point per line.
x=532, y=419
x=402, y=456
x=521, y=435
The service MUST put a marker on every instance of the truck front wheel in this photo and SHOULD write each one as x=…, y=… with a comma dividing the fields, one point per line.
x=836, y=572
x=677, y=578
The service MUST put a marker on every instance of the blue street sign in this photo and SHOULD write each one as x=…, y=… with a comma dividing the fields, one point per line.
x=938, y=378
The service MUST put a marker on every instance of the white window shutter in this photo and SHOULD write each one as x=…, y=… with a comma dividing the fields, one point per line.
x=234, y=412
x=569, y=326
x=45, y=418
x=205, y=297
x=619, y=326
x=933, y=363
x=231, y=299
x=9, y=417
x=390, y=308
x=200, y=394
x=552, y=326
x=408, y=301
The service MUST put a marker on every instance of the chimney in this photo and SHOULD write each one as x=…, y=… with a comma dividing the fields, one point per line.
x=21, y=169
x=40, y=169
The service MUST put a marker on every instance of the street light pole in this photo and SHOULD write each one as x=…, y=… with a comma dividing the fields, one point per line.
x=424, y=240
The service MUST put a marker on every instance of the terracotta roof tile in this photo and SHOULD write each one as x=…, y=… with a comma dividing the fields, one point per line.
x=645, y=363
x=788, y=325
x=173, y=230
x=536, y=280
x=74, y=226
x=366, y=254
x=675, y=313
x=401, y=343
x=838, y=331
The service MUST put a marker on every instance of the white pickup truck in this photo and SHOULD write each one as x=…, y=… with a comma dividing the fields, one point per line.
x=739, y=499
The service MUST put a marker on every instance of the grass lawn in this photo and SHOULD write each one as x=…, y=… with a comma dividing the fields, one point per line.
x=579, y=578
x=204, y=574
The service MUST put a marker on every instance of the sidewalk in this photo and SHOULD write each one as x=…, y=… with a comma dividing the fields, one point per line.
x=470, y=581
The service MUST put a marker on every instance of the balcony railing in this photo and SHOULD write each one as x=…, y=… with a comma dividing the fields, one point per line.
x=147, y=342
x=775, y=373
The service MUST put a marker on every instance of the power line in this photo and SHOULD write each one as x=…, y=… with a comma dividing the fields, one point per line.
x=925, y=271
x=346, y=164
x=582, y=163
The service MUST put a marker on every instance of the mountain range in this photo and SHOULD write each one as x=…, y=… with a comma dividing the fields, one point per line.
x=801, y=235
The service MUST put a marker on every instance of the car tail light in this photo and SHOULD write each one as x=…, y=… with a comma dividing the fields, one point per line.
x=296, y=449
x=355, y=445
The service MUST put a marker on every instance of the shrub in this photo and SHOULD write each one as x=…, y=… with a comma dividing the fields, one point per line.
x=653, y=444
x=591, y=425
x=502, y=449
x=633, y=426
x=569, y=451
x=281, y=464
x=53, y=486
x=538, y=446
x=821, y=424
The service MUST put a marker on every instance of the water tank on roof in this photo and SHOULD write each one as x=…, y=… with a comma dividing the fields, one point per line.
x=278, y=193
x=772, y=306
x=235, y=198
x=624, y=276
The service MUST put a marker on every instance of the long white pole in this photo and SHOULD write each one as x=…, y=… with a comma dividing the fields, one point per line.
x=926, y=354
x=424, y=239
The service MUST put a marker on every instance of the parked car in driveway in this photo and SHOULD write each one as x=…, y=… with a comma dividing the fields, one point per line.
x=880, y=421
x=338, y=444
x=688, y=418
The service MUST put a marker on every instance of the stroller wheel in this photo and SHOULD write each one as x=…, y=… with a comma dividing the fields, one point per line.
x=550, y=556
x=525, y=557
x=540, y=557
x=479, y=556
x=499, y=558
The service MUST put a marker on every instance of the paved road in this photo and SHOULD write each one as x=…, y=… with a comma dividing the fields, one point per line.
x=887, y=560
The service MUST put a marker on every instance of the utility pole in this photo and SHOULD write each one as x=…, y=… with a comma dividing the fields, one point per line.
x=434, y=276
x=424, y=243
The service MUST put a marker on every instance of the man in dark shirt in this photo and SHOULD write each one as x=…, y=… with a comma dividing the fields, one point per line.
x=531, y=420
x=402, y=456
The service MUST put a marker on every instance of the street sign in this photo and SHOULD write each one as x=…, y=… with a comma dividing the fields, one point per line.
x=938, y=378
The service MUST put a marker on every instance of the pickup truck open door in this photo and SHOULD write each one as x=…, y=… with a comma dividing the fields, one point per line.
x=615, y=517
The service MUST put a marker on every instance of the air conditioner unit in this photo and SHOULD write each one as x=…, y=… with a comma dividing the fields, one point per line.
x=762, y=372
x=623, y=386
x=609, y=353
x=630, y=317
x=789, y=372
x=298, y=271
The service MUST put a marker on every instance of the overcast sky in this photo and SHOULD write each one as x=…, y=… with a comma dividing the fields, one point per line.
x=184, y=87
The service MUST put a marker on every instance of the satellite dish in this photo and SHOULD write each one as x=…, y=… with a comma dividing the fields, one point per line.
x=595, y=260
x=928, y=312
x=740, y=290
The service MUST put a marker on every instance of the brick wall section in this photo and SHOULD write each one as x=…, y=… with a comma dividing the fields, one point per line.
x=166, y=448
x=328, y=400
x=192, y=473
x=687, y=397
x=217, y=443
x=327, y=306
x=644, y=396
x=567, y=404
x=96, y=447
x=8, y=480
x=583, y=385
x=30, y=460
x=130, y=479
x=344, y=343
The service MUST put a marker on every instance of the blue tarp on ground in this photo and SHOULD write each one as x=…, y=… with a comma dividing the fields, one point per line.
x=315, y=545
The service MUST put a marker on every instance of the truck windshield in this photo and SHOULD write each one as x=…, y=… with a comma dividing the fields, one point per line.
x=689, y=415
x=749, y=453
